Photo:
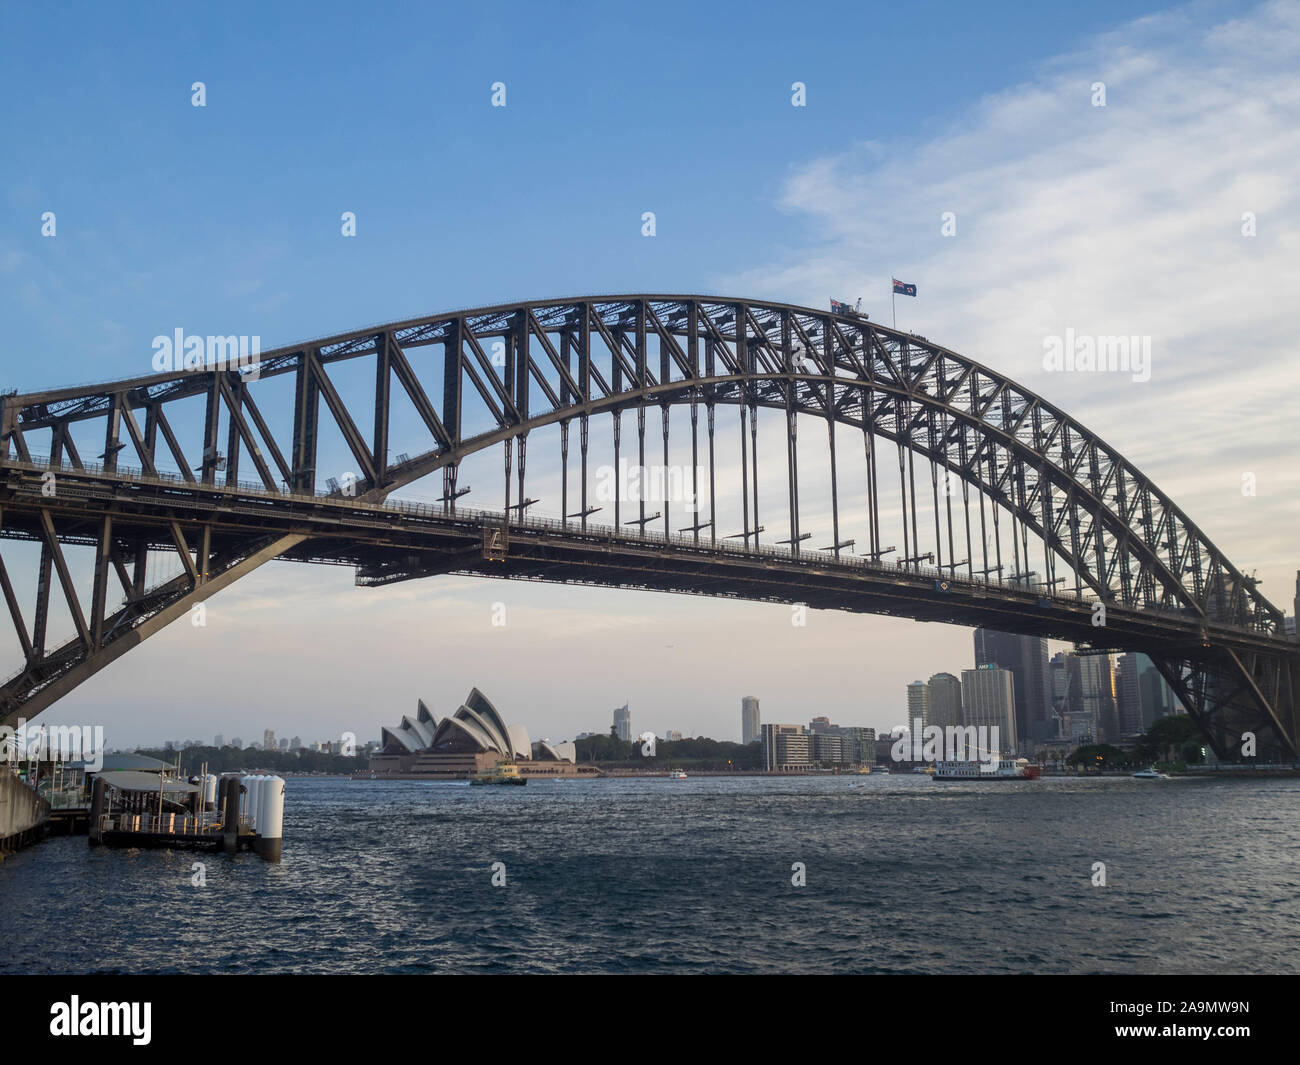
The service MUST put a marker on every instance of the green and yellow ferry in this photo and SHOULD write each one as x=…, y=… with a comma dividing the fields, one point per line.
x=501, y=773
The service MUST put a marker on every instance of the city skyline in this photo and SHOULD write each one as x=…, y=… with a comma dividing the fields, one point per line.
x=883, y=722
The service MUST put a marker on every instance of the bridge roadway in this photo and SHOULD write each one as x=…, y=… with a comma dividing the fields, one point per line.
x=392, y=541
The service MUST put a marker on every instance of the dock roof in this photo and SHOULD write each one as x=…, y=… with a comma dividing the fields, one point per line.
x=128, y=780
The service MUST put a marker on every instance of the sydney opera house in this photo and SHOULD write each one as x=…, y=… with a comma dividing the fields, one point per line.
x=475, y=737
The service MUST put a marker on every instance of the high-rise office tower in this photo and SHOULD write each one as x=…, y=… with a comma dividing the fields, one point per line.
x=989, y=695
x=1130, y=695
x=1157, y=700
x=1065, y=670
x=1097, y=694
x=945, y=700
x=748, y=719
x=918, y=704
x=623, y=722
x=1143, y=694
x=1110, y=727
x=1295, y=609
x=1026, y=658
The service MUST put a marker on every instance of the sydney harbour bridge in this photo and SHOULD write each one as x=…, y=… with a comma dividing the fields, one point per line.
x=897, y=477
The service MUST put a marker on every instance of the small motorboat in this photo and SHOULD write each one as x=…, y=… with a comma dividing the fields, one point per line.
x=1150, y=773
x=677, y=774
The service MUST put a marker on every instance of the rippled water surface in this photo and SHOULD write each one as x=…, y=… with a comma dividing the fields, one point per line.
x=903, y=875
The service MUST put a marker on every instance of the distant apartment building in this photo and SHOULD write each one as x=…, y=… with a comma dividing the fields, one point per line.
x=786, y=748
x=749, y=719
x=218, y=741
x=833, y=744
x=268, y=740
x=671, y=736
x=858, y=745
x=945, y=700
x=236, y=743
x=989, y=695
x=827, y=749
x=623, y=722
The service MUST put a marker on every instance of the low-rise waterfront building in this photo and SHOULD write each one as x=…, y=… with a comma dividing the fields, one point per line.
x=786, y=748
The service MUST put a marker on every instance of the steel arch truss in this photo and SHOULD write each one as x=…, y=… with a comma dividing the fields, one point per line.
x=1100, y=529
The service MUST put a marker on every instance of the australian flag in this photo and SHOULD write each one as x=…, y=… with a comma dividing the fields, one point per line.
x=902, y=288
x=840, y=308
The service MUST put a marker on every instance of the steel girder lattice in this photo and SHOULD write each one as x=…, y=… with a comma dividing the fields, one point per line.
x=1023, y=477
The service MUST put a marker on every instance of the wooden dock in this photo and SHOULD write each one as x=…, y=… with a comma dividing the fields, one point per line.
x=207, y=831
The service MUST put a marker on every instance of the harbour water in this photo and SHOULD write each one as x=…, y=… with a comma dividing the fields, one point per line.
x=903, y=875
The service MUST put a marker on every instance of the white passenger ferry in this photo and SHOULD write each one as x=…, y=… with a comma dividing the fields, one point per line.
x=1006, y=769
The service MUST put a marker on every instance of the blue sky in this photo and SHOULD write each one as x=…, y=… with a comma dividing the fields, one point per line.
x=230, y=213
x=226, y=219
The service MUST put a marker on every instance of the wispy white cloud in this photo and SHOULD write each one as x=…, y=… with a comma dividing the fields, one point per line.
x=1117, y=220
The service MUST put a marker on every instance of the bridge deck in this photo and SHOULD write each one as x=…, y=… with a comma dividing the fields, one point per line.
x=389, y=541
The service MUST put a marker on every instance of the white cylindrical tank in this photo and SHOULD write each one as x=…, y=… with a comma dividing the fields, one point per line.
x=210, y=790
x=270, y=818
x=254, y=785
x=263, y=794
x=271, y=824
